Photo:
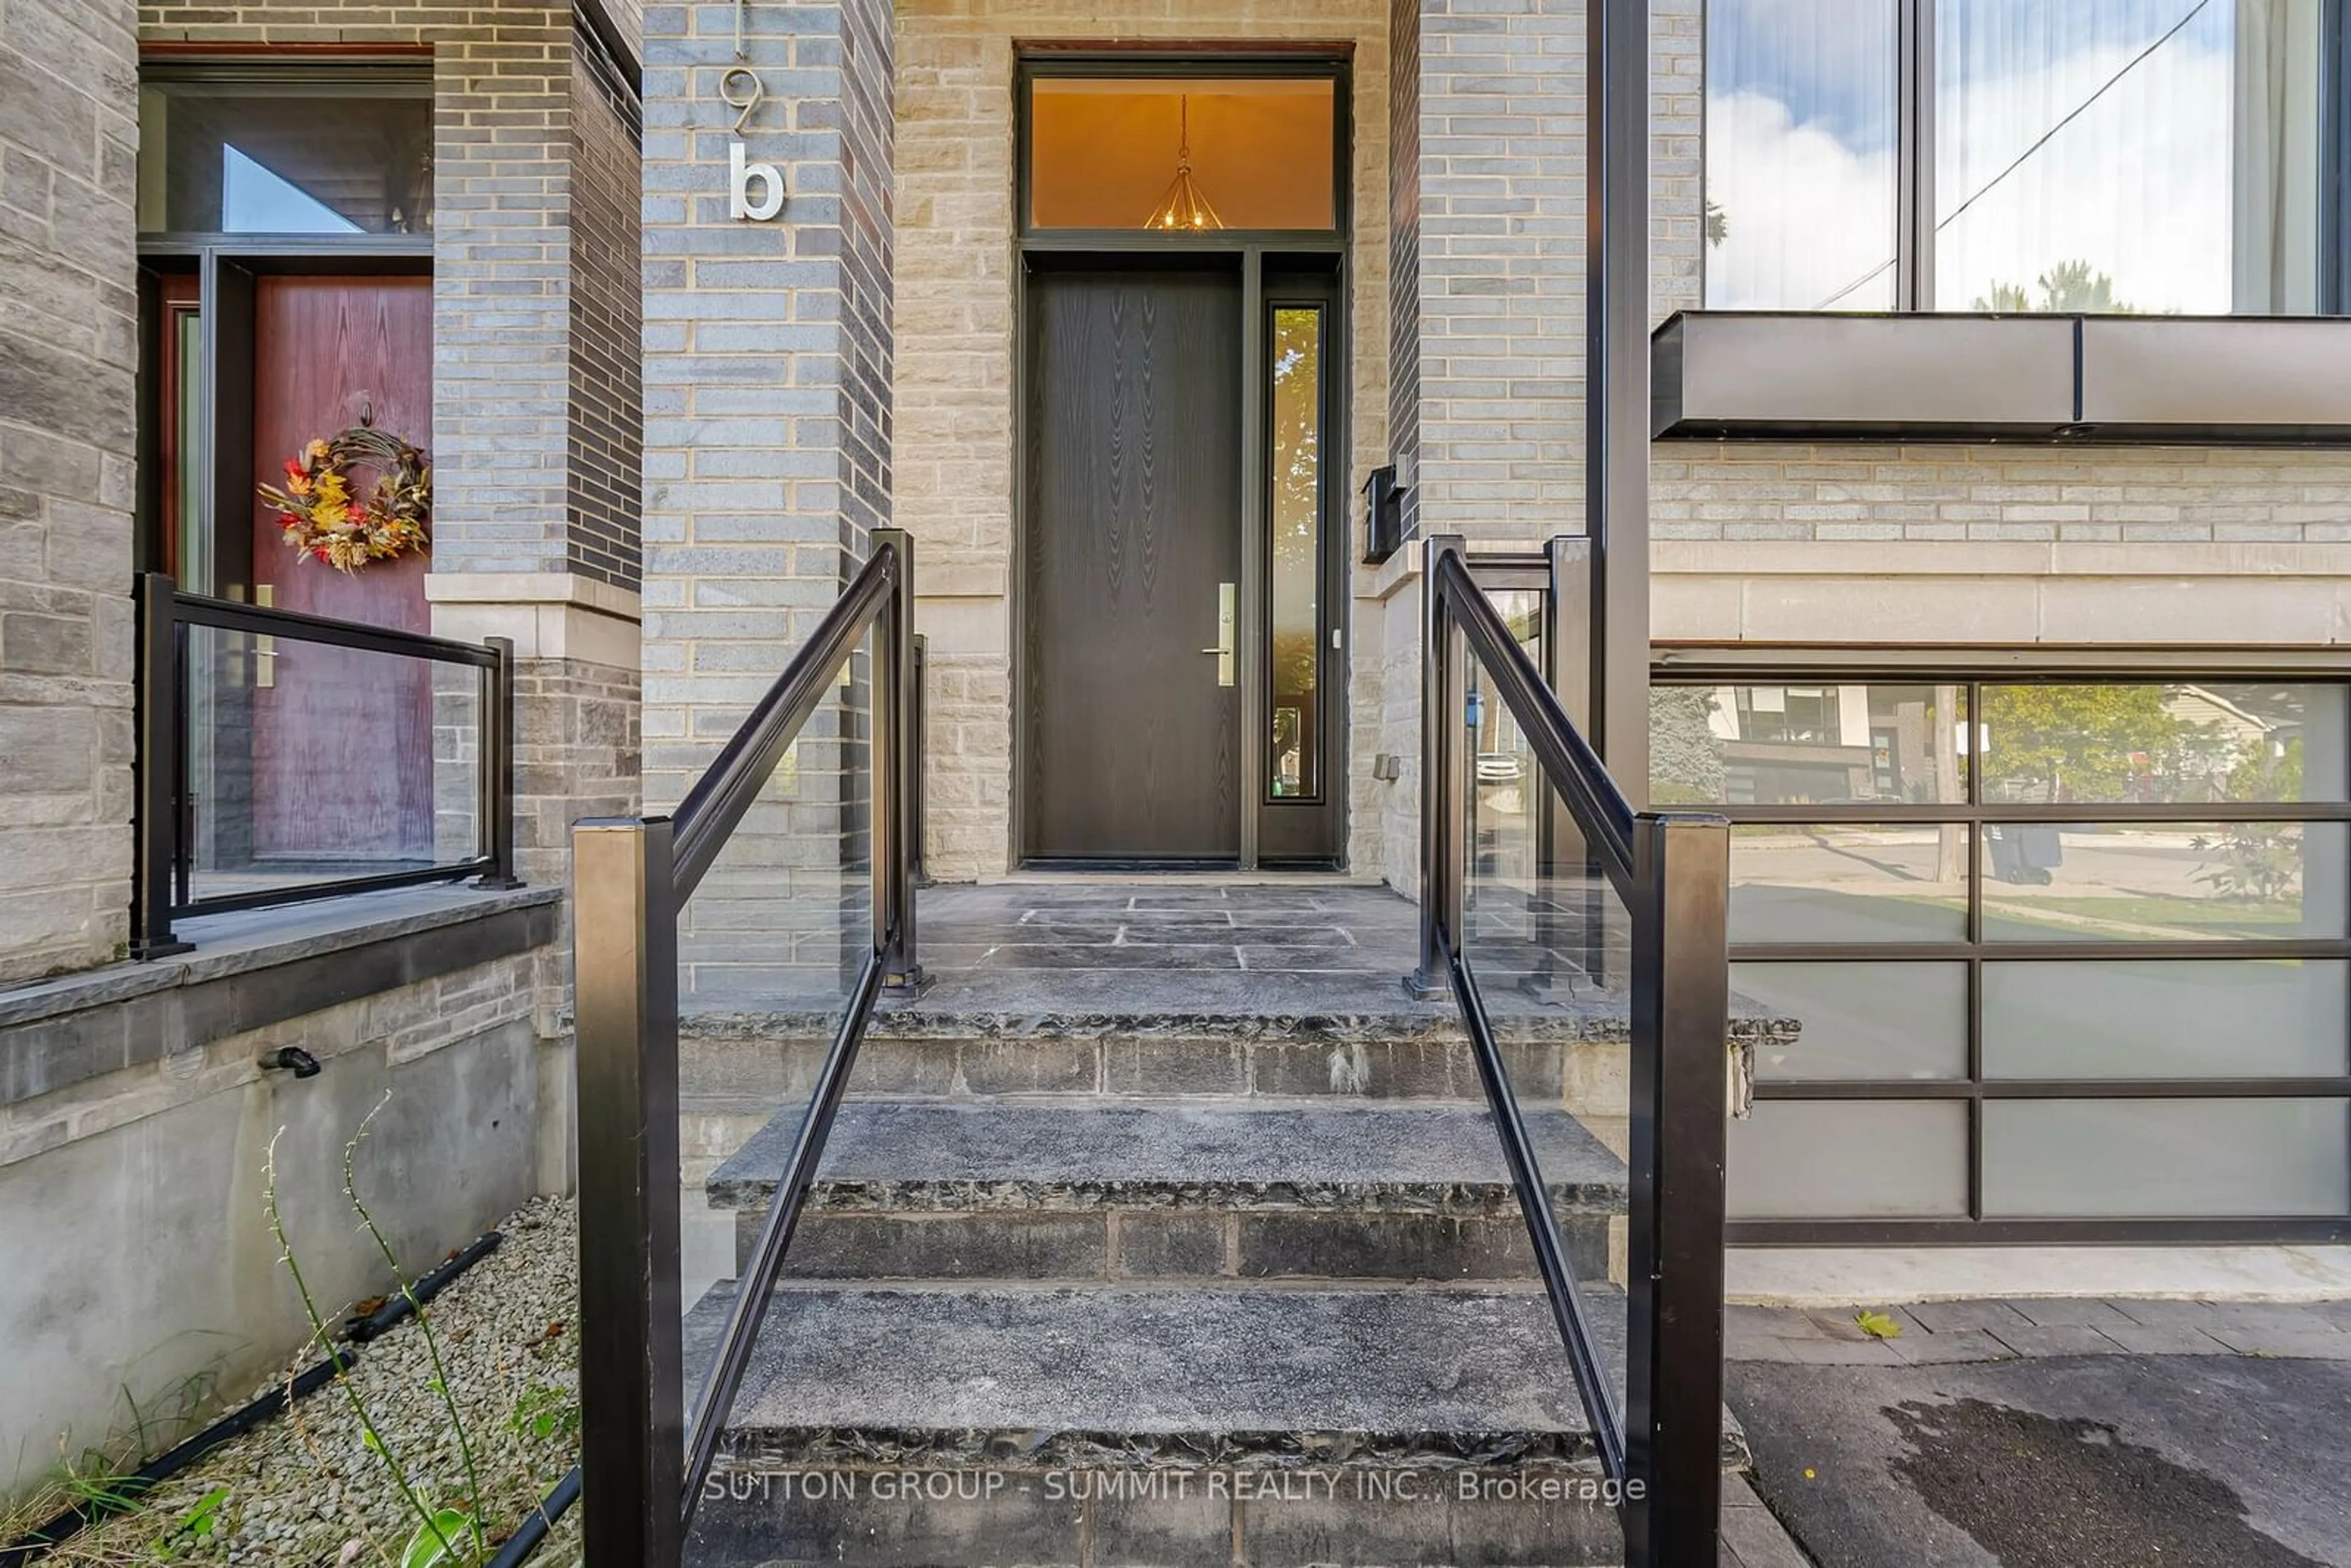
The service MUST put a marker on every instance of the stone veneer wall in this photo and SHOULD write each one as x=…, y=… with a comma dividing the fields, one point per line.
x=69, y=360
x=954, y=392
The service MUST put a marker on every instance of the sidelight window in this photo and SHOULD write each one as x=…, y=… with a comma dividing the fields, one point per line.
x=1296, y=524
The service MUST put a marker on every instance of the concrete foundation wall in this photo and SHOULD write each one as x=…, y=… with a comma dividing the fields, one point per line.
x=134, y=1200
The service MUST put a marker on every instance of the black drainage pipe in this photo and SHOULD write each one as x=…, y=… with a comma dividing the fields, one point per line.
x=396, y=1307
x=63, y=1527
x=155, y=1471
x=525, y=1540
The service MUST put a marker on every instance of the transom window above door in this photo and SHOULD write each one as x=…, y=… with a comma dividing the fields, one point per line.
x=286, y=152
x=1111, y=148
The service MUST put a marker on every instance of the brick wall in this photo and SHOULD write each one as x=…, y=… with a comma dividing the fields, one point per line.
x=768, y=453
x=604, y=447
x=69, y=358
x=1501, y=235
x=1404, y=243
x=1488, y=391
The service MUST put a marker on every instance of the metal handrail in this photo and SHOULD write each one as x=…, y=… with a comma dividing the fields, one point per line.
x=1663, y=1445
x=1599, y=807
x=161, y=885
x=713, y=807
x=644, y=1458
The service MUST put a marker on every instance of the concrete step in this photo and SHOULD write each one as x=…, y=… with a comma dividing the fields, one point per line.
x=773, y=1056
x=1109, y=1425
x=1068, y=1188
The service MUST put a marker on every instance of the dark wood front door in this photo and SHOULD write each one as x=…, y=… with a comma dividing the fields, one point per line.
x=342, y=740
x=1130, y=749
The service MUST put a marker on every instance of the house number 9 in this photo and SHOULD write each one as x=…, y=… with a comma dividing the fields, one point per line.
x=741, y=89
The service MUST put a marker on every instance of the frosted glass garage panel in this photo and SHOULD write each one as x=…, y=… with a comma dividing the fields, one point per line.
x=2167, y=1018
x=1849, y=882
x=1876, y=1020
x=1850, y=1159
x=2150, y=1158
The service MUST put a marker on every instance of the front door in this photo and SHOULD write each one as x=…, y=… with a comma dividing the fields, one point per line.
x=342, y=740
x=1131, y=729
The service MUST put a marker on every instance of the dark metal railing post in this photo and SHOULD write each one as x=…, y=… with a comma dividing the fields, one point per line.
x=896, y=763
x=1567, y=647
x=161, y=699
x=1443, y=705
x=632, y=1395
x=498, y=766
x=922, y=750
x=1681, y=1011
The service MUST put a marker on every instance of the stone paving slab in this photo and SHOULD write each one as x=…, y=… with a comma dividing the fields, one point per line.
x=1084, y=1153
x=1941, y=1333
x=1096, y=1375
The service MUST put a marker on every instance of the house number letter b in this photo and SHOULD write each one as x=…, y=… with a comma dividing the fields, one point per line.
x=741, y=176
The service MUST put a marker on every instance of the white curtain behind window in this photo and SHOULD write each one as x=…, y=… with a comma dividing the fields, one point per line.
x=2274, y=177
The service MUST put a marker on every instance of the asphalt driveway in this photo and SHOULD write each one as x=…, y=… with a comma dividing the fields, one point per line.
x=2067, y=1461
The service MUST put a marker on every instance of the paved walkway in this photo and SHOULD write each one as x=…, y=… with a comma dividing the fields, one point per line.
x=1943, y=1331
x=2052, y=1433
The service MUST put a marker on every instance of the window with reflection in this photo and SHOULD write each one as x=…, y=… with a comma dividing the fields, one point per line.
x=2127, y=156
x=1295, y=521
x=1800, y=155
x=1188, y=155
x=300, y=154
x=1798, y=744
x=2097, y=157
x=2151, y=743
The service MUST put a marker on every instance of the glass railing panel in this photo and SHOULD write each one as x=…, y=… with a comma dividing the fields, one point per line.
x=305, y=763
x=1548, y=943
x=771, y=948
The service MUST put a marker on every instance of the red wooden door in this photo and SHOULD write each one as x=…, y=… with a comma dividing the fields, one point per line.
x=342, y=743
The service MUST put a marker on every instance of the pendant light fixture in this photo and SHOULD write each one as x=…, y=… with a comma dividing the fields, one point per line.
x=1185, y=206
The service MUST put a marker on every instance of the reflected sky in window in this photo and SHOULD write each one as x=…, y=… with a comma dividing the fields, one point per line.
x=254, y=200
x=2163, y=120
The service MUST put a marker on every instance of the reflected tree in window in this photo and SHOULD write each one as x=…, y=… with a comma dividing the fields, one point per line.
x=1685, y=756
x=1296, y=527
x=2079, y=742
x=2067, y=288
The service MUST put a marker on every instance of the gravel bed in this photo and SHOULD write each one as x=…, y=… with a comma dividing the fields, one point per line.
x=304, y=1490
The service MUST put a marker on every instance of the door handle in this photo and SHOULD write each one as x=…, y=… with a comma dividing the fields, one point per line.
x=265, y=648
x=1224, y=648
